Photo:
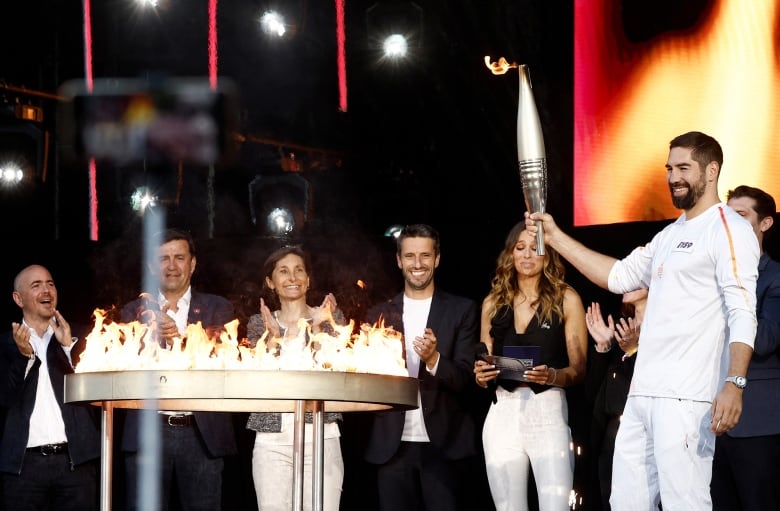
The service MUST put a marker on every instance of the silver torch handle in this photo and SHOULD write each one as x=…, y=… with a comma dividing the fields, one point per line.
x=531, y=157
x=533, y=175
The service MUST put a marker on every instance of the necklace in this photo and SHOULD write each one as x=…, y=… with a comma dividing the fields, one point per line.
x=282, y=328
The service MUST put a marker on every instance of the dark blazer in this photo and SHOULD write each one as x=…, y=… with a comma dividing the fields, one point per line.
x=215, y=428
x=454, y=321
x=761, y=399
x=17, y=398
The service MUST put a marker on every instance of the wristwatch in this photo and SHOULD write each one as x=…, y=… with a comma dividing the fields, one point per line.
x=739, y=381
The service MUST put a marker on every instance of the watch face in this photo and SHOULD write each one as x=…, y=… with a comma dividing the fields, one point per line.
x=739, y=381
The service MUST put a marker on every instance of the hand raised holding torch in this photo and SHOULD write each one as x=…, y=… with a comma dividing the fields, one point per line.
x=531, y=157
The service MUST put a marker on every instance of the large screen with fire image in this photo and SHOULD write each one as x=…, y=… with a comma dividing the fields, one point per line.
x=645, y=72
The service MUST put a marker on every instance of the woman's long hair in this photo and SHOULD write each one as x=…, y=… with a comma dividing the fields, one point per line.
x=551, y=286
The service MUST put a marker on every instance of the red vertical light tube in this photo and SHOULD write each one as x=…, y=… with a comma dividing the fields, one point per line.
x=213, y=43
x=93, y=198
x=341, y=60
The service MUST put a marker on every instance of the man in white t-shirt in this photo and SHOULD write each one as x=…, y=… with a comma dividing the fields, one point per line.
x=687, y=387
x=422, y=454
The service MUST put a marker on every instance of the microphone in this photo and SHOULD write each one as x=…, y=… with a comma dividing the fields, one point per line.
x=531, y=157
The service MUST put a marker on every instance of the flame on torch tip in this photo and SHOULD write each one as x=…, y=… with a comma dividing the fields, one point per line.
x=500, y=67
x=361, y=284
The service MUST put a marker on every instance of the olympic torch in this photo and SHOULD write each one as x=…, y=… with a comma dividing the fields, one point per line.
x=531, y=158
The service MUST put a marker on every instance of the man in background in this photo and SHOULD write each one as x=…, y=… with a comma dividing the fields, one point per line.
x=746, y=465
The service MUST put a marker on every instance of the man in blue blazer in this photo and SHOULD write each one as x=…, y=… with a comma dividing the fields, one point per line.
x=194, y=444
x=746, y=464
x=422, y=453
x=48, y=448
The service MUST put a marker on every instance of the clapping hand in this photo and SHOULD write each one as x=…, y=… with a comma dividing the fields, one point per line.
x=166, y=327
x=61, y=329
x=324, y=312
x=271, y=325
x=627, y=335
x=602, y=332
x=22, y=339
x=161, y=324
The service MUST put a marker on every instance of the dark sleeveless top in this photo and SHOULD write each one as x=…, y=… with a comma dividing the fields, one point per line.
x=549, y=336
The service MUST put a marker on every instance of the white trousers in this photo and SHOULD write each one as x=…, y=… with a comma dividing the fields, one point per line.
x=525, y=430
x=272, y=471
x=663, y=450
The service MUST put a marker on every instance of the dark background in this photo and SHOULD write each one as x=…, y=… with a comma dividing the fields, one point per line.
x=431, y=139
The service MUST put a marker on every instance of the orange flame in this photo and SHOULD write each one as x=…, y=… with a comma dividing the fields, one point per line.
x=131, y=346
x=500, y=67
x=361, y=284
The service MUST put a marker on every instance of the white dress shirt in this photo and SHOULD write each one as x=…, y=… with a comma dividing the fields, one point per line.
x=180, y=316
x=182, y=311
x=46, y=424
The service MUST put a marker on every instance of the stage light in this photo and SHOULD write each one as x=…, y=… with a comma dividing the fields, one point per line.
x=281, y=221
x=149, y=3
x=273, y=23
x=10, y=174
x=394, y=231
x=143, y=199
x=25, y=145
x=395, y=29
x=395, y=46
x=279, y=204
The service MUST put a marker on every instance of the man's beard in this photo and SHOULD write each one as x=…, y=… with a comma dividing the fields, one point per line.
x=691, y=197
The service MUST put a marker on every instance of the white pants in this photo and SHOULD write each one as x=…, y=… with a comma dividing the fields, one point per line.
x=272, y=471
x=523, y=430
x=663, y=450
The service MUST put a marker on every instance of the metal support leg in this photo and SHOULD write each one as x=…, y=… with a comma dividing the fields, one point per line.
x=107, y=426
x=318, y=456
x=298, y=452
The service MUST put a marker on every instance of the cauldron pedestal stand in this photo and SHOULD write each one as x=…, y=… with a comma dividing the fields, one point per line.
x=241, y=391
